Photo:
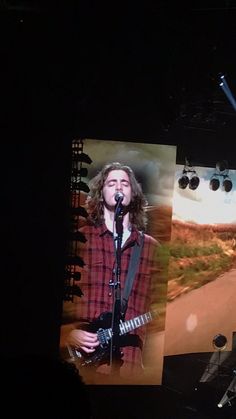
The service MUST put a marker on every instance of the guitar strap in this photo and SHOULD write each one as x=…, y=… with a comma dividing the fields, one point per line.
x=133, y=266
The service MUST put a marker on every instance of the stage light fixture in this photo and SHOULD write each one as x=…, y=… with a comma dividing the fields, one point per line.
x=77, y=236
x=75, y=261
x=189, y=177
x=79, y=211
x=214, y=183
x=219, y=342
x=183, y=181
x=82, y=157
x=71, y=290
x=80, y=186
x=221, y=171
x=78, y=154
x=76, y=276
x=227, y=184
x=194, y=182
x=222, y=166
x=82, y=172
x=226, y=89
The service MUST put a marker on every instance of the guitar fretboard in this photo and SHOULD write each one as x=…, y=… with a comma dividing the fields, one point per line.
x=134, y=323
x=104, y=335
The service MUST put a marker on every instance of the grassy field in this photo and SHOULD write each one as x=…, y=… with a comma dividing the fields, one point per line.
x=199, y=254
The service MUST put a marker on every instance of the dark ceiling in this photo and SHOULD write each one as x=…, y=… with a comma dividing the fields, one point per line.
x=147, y=72
x=143, y=71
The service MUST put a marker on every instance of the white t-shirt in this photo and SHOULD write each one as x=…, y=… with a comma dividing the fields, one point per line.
x=125, y=236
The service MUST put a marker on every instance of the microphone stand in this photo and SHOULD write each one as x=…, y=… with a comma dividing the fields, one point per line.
x=116, y=315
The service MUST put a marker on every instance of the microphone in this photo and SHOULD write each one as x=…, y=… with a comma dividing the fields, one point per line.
x=119, y=196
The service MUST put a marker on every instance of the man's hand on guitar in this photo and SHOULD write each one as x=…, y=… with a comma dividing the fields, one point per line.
x=80, y=339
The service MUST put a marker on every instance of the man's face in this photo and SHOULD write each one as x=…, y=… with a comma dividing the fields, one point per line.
x=117, y=181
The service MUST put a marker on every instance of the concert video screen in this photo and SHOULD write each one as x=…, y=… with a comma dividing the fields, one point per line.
x=201, y=290
x=116, y=273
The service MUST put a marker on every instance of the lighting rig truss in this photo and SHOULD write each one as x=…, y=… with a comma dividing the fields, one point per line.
x=73, y=261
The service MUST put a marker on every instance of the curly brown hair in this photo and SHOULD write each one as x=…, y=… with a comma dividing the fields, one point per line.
x=94, y=202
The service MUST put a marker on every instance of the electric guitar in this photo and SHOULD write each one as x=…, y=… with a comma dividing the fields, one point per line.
x=104, y=334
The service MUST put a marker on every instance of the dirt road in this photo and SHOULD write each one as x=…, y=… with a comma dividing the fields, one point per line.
x=193, y=319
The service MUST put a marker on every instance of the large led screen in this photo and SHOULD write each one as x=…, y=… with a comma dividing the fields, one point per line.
x=201, y=281
x=153, y=166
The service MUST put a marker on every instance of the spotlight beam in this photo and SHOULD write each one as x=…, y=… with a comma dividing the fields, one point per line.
x=222, y=77
x=225, y=87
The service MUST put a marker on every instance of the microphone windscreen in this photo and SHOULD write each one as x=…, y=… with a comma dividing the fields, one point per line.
x=119, y=196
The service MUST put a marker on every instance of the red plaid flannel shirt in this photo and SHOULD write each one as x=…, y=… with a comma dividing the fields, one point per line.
x=99, y=256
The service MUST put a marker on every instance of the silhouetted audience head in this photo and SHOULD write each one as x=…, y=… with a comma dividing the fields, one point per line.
x=46, y=388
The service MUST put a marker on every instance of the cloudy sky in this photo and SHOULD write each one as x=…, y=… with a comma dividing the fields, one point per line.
x=154, y=164
x=203, y=205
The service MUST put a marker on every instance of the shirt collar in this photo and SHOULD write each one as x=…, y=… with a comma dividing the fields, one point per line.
x=135, y=235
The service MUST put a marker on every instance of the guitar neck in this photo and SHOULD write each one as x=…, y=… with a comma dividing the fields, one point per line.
x=136, y=322
x=104, y=335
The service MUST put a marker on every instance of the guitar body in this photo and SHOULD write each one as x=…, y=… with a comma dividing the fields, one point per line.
x=102, y=326
x=102, y=322
x=99, y=357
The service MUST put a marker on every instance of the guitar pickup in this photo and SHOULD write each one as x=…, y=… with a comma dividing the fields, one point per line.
x=104, y=336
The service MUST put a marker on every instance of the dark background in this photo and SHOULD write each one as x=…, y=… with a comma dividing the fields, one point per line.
x=136, y=71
